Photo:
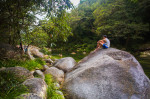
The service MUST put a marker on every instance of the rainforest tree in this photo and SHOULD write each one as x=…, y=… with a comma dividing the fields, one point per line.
x=126, y=22
x=18, y=16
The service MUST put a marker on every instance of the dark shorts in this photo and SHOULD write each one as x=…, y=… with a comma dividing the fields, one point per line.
x=104, y=46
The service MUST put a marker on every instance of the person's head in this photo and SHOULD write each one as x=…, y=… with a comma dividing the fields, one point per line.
x=104, y=36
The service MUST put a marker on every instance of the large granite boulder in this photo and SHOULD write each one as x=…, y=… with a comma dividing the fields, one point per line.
x=37, y=86
x=56, y=73
x=65, y=64
x=107, y=74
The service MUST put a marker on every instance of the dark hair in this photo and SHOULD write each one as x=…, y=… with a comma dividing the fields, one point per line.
x=105, y=36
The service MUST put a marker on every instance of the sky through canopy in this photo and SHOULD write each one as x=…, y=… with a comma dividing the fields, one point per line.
x=75, y=2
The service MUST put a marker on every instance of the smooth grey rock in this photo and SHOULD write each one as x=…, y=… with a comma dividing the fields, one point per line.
x=30, y=54
x=37, y=86
x=57, y=86
x=59, y=92
x=107, y=74
x=56, y=73
x=19, y=73
x=65, y=64
x=34, y=51
x=45, y=67
x=32, y=72
x=37, y=53
x=48, y=60
x=29, y=96
x=39, y=73
x=2, y=68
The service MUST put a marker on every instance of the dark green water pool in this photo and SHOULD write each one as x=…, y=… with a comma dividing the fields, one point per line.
x=145, y=63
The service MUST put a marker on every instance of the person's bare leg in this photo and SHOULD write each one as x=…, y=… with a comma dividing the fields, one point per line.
x=99, y=45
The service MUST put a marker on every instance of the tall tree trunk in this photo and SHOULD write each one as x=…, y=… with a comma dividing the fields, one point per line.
x=9, y=36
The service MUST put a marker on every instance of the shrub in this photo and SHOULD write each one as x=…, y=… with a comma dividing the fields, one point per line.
x=51, y=90
x=28, y=64
x=10, y=63
x=45, y=51
x=10, y=86
x=31, y=65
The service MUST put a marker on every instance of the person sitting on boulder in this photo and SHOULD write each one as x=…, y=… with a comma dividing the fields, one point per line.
x=105, y=43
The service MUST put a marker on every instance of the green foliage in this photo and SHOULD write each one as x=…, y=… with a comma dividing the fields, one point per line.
x=19, y=16
x=34, y=64
x=134, y=0
x=37, y=37
x=29, y=64
x=57, y=29
x=125, y=22
x=45, y=50
x=10, y=86
x=49, y=32
x=81, y=22
x=51, y=90
x=119, y=20
x=10, y=63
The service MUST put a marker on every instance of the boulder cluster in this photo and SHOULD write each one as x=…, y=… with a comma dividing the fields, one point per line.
x=34, y=80
x=103, y=74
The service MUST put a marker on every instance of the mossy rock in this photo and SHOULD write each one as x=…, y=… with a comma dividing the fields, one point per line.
x=10, y=81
